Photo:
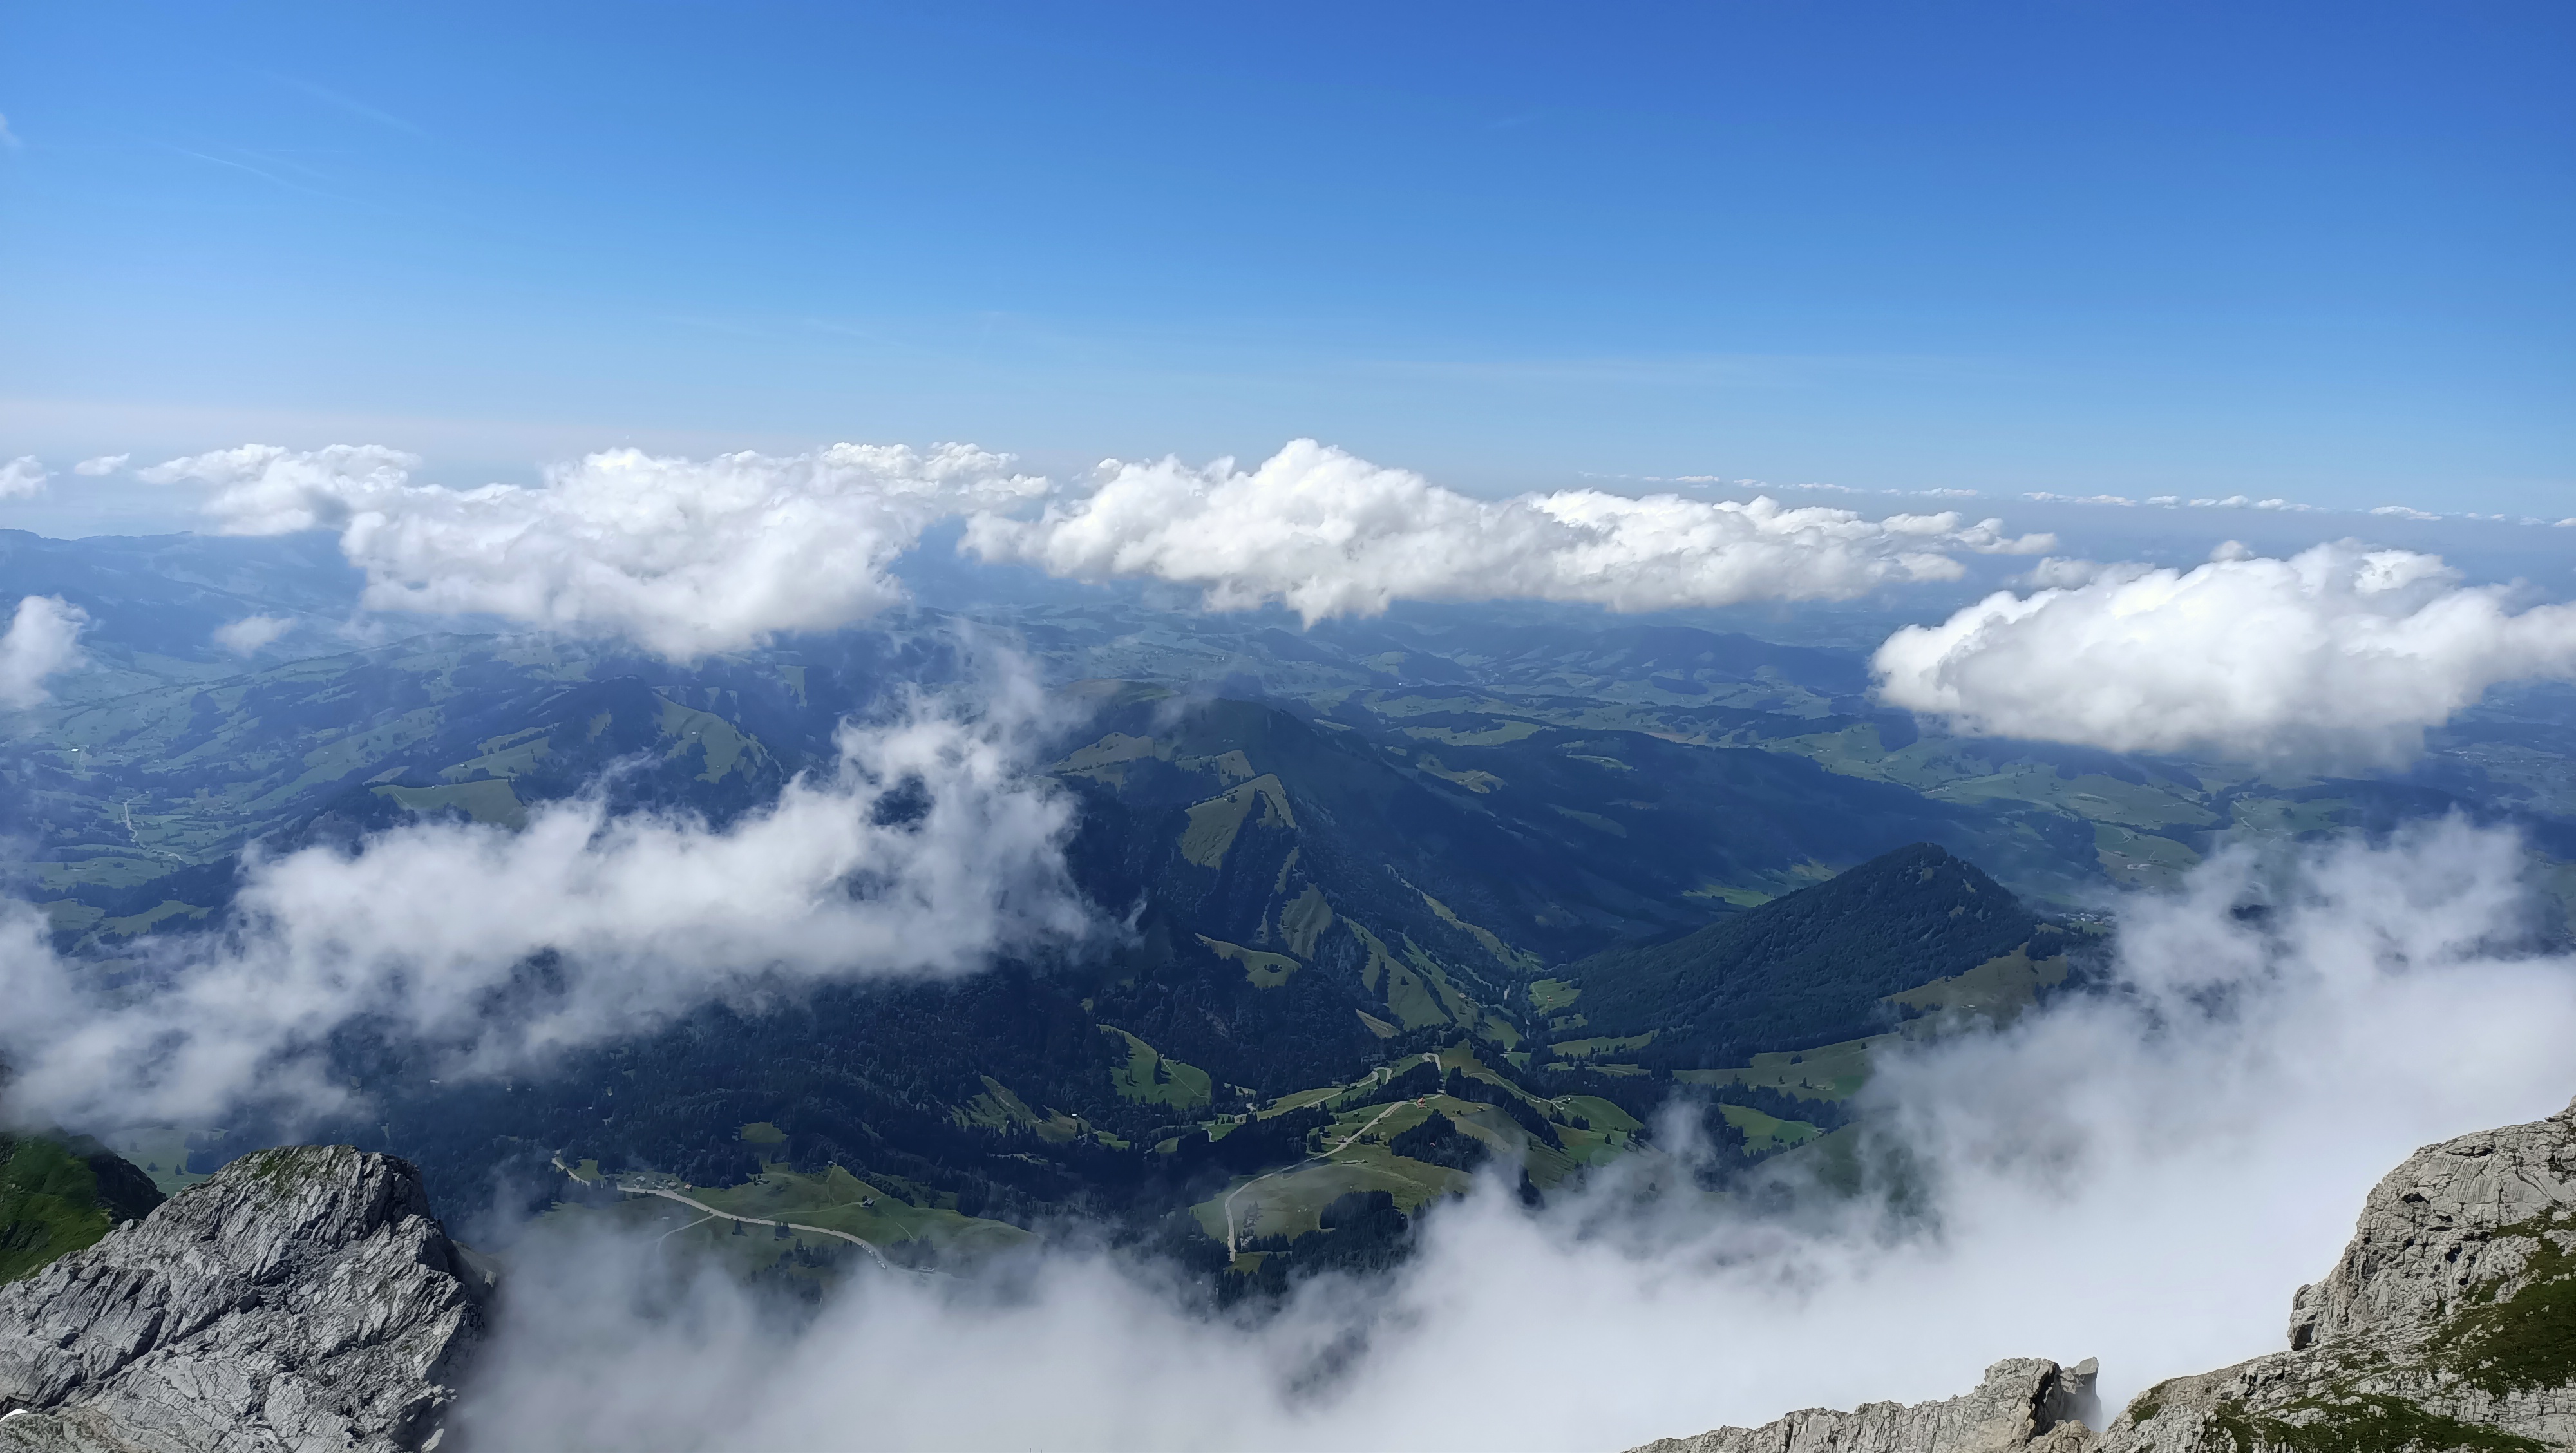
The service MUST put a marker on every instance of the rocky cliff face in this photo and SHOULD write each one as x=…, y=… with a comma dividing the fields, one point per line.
x=2450, y=1323
x=2029, y=1402
x=302, y=1299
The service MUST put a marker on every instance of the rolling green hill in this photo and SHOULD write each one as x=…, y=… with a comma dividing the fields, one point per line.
x=58, y=1196
x=1809, y=969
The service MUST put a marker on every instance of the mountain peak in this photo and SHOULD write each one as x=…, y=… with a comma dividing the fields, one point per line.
x=313, y=1277
x=1808, y=969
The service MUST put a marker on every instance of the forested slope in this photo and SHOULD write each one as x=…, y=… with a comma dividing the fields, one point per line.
x=1808, y=969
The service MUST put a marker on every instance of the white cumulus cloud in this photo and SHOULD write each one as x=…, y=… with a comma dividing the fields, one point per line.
x=262, y=489
x=929, y=848
x=22, y=477
x=1331, y=534
x=43, y=638
x=687, y=556
x=682, y=556
x=247, y=635
x=2339, y=653
x=102, y=464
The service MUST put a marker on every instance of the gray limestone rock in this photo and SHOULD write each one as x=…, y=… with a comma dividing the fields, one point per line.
x=2028, y=1402
x=303, y=1298
x=2450, y=1322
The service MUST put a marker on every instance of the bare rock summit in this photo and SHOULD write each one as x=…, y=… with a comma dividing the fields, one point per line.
x=2028, y=1402
x=2449, y=1323
x=302, y=1299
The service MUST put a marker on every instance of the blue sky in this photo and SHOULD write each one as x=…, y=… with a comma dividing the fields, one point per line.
x=2321, y=252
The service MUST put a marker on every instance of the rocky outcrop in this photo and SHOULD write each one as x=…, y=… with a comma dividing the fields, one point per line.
x=303, y=1298
x=2028, y=1402
x=2449, y=1323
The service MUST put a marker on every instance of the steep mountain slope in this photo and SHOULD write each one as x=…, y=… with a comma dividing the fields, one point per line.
x=1442, y=881
x=2449, y=1323
x=57, y=1196
x=303, y=1298
x=1809, y=969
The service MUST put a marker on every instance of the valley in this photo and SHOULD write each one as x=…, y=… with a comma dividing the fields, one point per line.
x=1404, y=901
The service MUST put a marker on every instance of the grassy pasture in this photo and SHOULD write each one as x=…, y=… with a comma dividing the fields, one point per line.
x=1261, y=970
x=1592, y=820
x=840, y=1201
x=1828, y=1072
x=998, y=1107
x=1304, y=920
x=1213, y=824
x=1106, y=759
x=726, y=747
x=1601, y=1045
x=2287, y=817
x=835, y=1200
x=1602, y=1114
x=49, y=1205
x=488, y=801
x=2140, y=859
x=1547, y=996
x=2000, y=987
x=1300, y=1100
x=1293, y=1203
x=1765, y=1133
x=1497, y=736
x=506, y=755
x=1509, y=957
x=1148, y=1078
x=150, y=919
x=1474, y=779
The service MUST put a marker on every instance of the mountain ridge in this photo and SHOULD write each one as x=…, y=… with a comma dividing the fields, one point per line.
x=1812, y=968
x=303, y=1298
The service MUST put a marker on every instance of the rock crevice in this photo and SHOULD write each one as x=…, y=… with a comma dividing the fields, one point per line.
x=302, y=1298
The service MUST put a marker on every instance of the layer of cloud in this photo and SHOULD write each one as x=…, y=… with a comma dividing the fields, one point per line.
x=100, y=465
x=262, y=489
x=1331, y=534
x=43, y=639
x=249, y=634
x=684, y=557
x=928, y=849
x=2144, y=1174
x=23, y=477
x=2338, y=654
x=687, y=557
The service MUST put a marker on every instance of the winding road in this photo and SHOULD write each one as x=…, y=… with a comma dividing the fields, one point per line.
x=712, y=1214
x=870, y=1247
x=1432, y=1060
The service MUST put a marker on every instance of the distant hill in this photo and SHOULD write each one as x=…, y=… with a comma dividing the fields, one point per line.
x=1809, y=969
x=58, y=1196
